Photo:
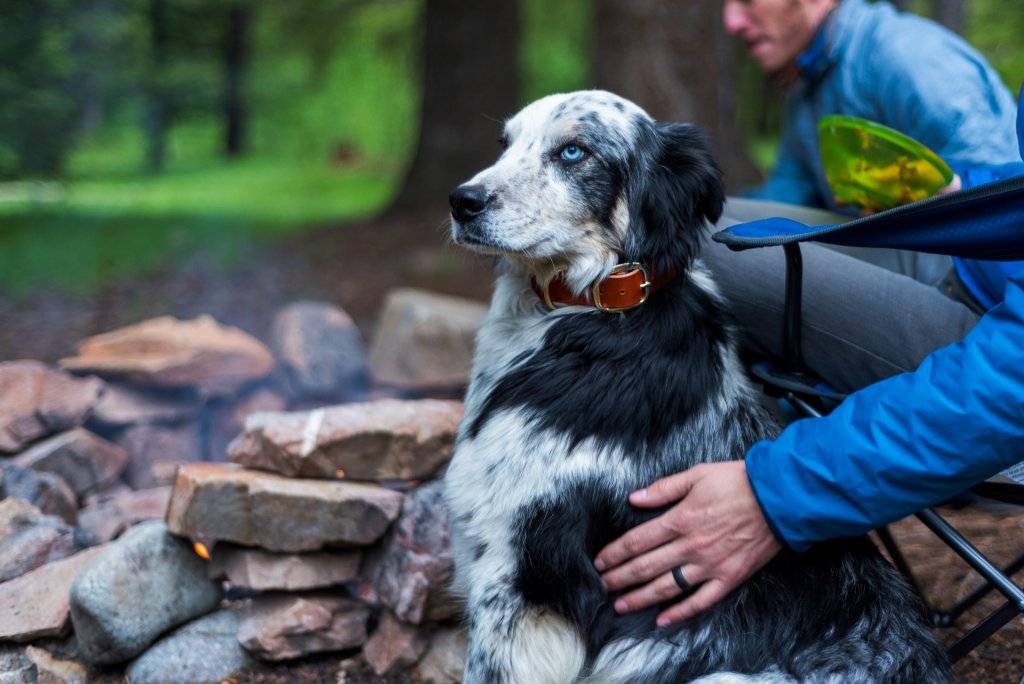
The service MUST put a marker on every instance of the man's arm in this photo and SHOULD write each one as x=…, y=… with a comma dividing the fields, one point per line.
x=888, y=450
x=902, y=444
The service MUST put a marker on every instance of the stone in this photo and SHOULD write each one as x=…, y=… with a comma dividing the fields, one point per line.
x=413, y=568
x=15, y=667
x=320, y=350
x=35, y=605
x=285, y=626
x=165, y=352
x=83, y=460
x=229, y=421
x=445, y=659
x=46, y=491
x=144, y=584
x=30, y=539
x=108, y=518
x=36, y=400
x=54, y=670
x=122, y=404
x=260, y=570
x=394, y=644
x=222, y=502
x=156, y=451
x=379, y=440
x=425, y=340
x=204, y=651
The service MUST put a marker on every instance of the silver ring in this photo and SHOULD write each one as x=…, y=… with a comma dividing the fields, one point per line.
x=677, y=575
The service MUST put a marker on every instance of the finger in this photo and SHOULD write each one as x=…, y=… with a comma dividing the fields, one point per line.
x=660, y=589
x=707, y=595
x=640, y=539
x=647, y=566
x=665, y=490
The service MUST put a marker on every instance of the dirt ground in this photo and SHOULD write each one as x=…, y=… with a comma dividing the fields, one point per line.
x=354, y=266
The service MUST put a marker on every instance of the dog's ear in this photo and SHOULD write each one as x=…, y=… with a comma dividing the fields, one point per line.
x=675, y=190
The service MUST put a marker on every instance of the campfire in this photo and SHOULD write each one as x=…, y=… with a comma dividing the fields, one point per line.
x=191, y=503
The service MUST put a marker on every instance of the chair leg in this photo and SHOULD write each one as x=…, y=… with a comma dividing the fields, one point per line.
x=992, y=624
x=948, y=617
x=1015, y=606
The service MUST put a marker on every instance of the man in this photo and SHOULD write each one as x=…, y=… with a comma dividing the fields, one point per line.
x=899, y=445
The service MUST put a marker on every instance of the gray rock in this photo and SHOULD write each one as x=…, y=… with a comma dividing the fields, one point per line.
x=53, y=669
x=201, y=652
x=36, y=401
x=424, y=340
x=46, y=491
x=445, y=659
x=122, y=404
x=319, y=347
x=393, y=644
x=156, y=451
x=413, y=568
x=83, y=460
x=147, y=582
x=286, y=626
x=260, y=570
x=165, y=352
x=222, y=502
x=15, y=667
x=108, y=517
x=376, y=441
x=229, y=420
x=36, y=604
x=29, y=539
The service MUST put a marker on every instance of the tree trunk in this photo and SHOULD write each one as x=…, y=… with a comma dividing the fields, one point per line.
x=951, y=14
x=236, y=57
x=157, y=108
x=675, y=60
x=470, y=83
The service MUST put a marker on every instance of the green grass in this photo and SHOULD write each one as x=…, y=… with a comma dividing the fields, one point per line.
x=326, y=145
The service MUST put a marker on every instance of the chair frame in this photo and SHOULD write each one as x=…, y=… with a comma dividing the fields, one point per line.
x=800, y=389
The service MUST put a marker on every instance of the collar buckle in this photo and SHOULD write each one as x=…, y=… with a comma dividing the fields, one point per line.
x=595, y=289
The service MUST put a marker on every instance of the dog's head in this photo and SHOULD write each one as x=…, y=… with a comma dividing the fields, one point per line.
x=587, y=180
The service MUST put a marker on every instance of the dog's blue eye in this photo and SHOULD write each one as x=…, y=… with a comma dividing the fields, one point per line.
x=572, y=153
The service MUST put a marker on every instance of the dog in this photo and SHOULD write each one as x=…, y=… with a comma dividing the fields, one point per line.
x=571, y=407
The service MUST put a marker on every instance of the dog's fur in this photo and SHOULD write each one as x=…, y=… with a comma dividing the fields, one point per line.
x=569, y=411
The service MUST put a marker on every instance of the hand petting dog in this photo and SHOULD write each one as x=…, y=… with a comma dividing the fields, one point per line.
x=715, y=538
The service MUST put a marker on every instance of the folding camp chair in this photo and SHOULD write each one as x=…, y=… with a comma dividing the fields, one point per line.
x=982, y=222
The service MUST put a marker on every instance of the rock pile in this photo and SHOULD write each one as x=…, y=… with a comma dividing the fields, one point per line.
x=133, y=535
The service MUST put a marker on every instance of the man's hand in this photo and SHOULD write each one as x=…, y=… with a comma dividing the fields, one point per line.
x=716, y=533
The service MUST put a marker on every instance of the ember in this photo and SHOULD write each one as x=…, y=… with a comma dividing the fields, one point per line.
x=201, y=550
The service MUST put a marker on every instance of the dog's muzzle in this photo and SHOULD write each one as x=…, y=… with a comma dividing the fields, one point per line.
x=468, y=202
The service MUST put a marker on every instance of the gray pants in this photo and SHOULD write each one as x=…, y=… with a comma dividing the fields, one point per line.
x=867, y=314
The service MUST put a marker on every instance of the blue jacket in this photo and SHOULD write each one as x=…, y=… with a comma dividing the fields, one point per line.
x=902, y=444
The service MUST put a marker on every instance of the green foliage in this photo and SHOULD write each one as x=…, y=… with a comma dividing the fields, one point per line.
x=555, y=53
x=36, y=74
x=996, y=28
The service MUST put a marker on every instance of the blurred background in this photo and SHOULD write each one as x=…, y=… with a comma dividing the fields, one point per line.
x=224, y=156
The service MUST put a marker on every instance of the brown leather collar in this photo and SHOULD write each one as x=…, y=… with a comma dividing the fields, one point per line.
x=628, y=286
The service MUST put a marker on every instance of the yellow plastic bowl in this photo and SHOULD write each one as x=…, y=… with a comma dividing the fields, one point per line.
x=875, y=167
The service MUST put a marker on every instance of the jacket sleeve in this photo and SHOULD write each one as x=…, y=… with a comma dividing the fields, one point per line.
x=902, y=444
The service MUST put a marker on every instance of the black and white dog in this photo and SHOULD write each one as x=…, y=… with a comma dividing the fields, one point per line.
x=571, y=409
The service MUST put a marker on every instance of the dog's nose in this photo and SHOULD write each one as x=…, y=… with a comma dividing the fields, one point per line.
x=468, y=202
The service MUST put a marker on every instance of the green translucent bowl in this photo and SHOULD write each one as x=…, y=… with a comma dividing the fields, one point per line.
x=874, y=167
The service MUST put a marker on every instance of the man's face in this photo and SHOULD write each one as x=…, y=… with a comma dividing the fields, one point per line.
x=775, y=31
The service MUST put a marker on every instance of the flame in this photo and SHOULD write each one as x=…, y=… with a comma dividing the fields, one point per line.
x=201, y=550
x=339, y=473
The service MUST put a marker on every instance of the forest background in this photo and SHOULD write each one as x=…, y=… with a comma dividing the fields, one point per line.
x=137, y=134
